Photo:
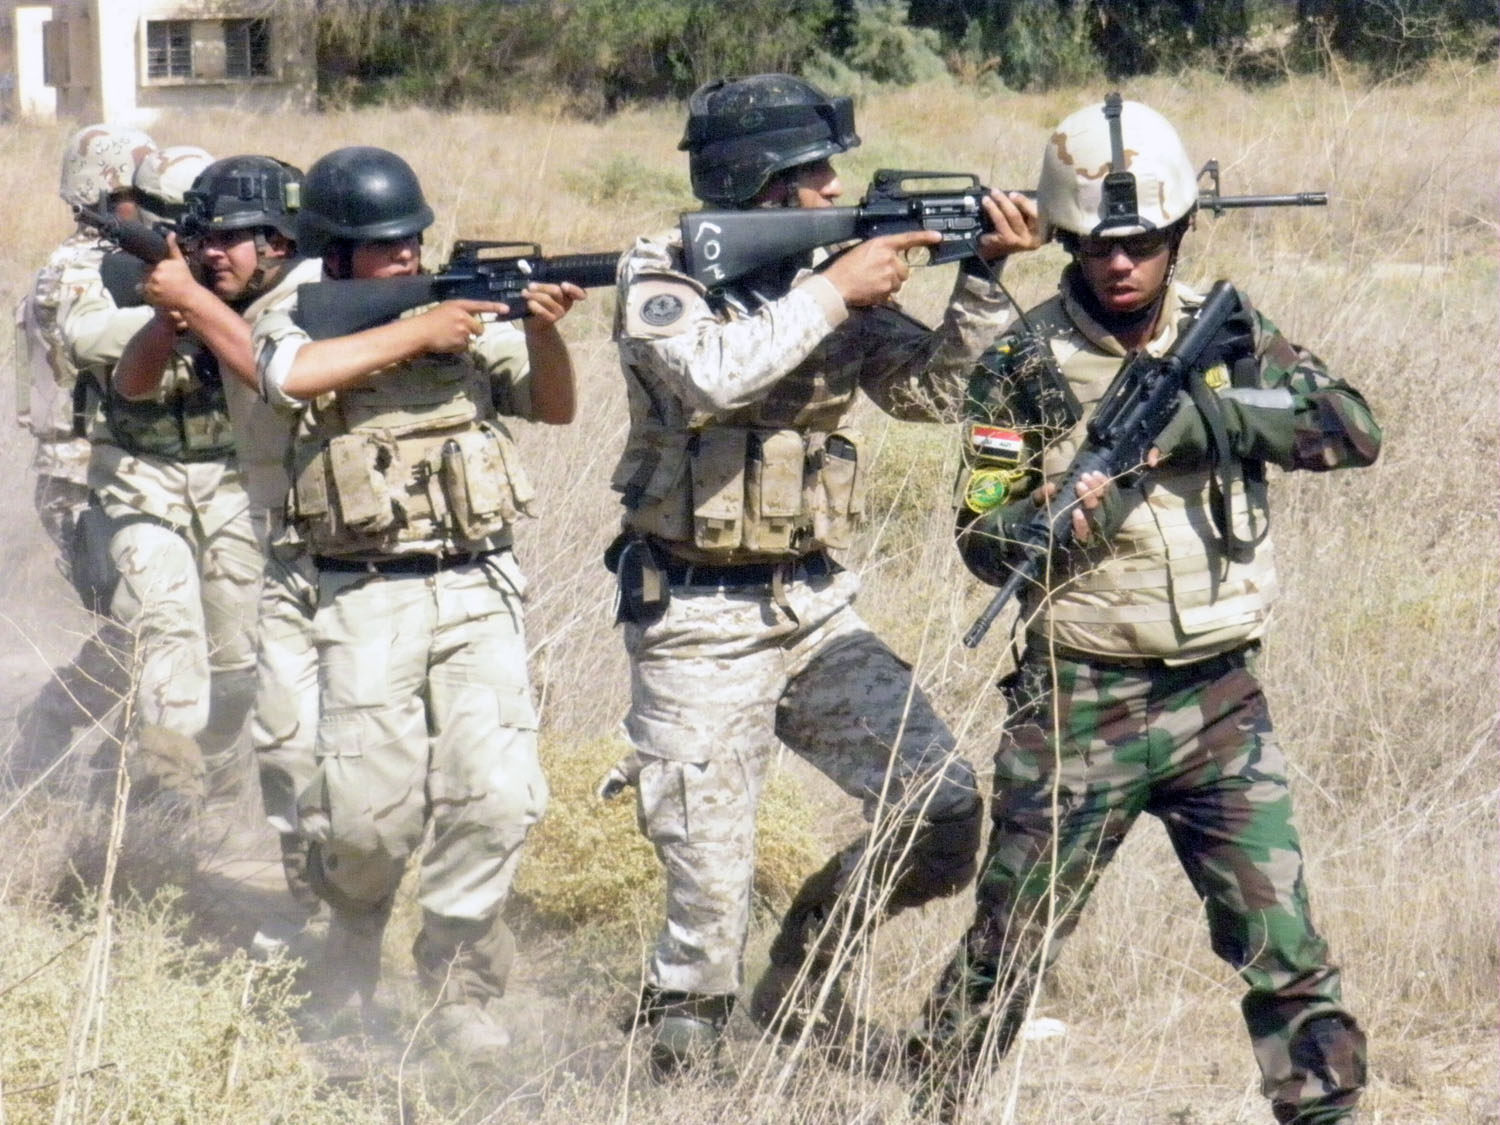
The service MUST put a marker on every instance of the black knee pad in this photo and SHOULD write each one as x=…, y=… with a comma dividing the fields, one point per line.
x=941, y=856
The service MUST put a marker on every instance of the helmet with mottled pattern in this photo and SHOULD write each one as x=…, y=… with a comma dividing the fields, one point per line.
x=163, y=179
x=101, y=160
x=1074, y=191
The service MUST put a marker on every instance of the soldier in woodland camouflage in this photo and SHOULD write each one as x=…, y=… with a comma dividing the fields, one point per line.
x=741, y=471
x=1137, y=690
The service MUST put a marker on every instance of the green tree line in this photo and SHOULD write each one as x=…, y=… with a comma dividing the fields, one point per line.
x=599, y=54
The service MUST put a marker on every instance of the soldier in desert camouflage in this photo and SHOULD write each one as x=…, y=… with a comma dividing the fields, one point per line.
x=163, y=467
x=742, y=469
x=99, y=163
x=406, y=488
x=243, y=262
x=1137, y=691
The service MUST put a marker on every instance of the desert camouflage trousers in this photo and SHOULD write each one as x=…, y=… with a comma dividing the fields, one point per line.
x=716, y=683
x=187, y=602
x=1081, y=758
x=284, y=719
x=424, y=716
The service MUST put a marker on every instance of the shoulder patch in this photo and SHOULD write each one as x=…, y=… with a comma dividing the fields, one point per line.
x=659, y=306
x=661, y=309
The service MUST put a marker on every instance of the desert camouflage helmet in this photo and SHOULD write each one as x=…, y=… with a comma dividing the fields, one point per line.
x=100, y=160
x=244, y=193
x=1114, y=169
x=741, y=132
x=360, y=194
x=164, y=177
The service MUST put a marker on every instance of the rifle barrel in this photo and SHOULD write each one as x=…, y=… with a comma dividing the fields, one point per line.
x=1217, y=203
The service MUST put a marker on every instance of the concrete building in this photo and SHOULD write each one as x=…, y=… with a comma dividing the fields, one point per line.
x=121, y=60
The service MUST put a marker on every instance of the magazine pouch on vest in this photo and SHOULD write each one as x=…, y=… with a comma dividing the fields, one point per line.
x=191, y=424
x=482, y=481
x=773, y=491
x=716, y=463
x=834, y=494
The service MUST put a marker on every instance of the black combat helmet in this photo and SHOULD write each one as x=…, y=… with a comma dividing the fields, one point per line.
x=245, y=192
x=359, y=194
x=741, y=132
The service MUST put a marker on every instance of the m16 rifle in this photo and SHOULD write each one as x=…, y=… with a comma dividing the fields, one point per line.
x=720, y=247
x=1130, y=417
x=326, y=309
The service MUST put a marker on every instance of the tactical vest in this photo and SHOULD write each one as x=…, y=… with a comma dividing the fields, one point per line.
x=1163, y=586
x=415, y=459
x=774, y=480
x=189, y=424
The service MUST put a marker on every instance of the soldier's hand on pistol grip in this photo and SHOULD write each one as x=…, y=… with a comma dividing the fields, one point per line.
x=1099, y=510
x=1184, y=439
x=875, y=270
x=451, y=326
x=170, y=284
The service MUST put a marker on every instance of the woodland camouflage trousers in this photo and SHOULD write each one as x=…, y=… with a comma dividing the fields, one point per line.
x=1081, y=758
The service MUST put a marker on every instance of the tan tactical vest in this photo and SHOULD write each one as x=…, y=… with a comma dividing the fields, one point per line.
x=414, y=460
x=1163, y=587
x=774, y=480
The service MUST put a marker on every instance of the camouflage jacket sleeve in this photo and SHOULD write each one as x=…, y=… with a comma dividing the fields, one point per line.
x=94, y=330
x=1300, y=417
x=715, y=362
x=919, y=374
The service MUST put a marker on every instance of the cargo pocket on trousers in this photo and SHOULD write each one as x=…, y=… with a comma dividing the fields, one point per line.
x=344, y=788
x=686, y=803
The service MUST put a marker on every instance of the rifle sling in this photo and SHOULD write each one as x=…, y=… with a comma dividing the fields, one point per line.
x=1224, y=467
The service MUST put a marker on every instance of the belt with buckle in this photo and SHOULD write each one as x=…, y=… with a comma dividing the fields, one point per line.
x=399, y=564
x=712, y=576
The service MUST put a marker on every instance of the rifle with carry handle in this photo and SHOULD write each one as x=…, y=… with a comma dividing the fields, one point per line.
x=326, y=309
x=720, y=247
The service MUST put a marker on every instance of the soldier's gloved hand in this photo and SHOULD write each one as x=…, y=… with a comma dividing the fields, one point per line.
x=1184, y=440
x=1100, y=509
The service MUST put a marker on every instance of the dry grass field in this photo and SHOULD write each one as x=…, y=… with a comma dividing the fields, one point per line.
x=1381, y=670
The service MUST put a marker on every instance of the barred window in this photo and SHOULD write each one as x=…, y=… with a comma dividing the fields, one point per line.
x=247, y=48
x=169, y=49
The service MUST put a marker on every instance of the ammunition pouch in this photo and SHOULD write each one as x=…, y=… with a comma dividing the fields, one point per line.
x=373, y=489
x=644, y=588
x=742, y=491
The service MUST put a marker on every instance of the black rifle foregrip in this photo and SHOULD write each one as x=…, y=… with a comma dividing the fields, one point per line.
x=591, y=271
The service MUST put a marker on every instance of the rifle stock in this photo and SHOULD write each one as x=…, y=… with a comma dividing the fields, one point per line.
x=1134, y=410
